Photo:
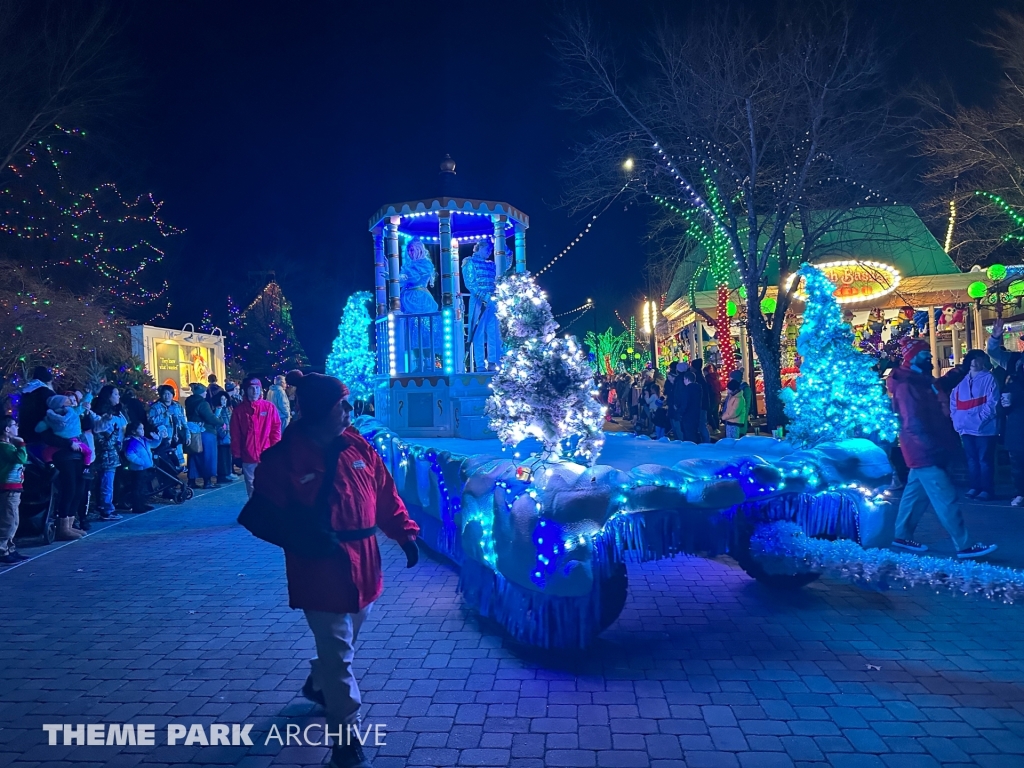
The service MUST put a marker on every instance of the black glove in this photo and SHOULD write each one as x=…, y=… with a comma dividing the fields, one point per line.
x=412, y=553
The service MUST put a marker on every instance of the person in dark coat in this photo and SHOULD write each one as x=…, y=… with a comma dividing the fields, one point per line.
x=32, y=406
x=715, y=387
x=926, y=436
x=201, y=418
x=335, y=593
x=705, y=400
x=134, y=409
x=686, y=397
x=1012, y=404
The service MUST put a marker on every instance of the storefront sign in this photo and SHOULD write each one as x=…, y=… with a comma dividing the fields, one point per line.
x=857, y=281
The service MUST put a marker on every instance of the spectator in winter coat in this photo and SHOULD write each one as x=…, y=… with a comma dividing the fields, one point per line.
x=212, y=388
x=335, y=593
x=138, y=454
x=1013, y=407
x=167, y=417
x=972, y=405
x=925, y=437
x=32, y=405
x=685, y=404
x=222, y=410
x=64, y=421
x=291, y=380
x=715, y=387
x=255, y=426
x=108, y=431
x=13, y=458
x=134, y=409
x=734, y=410
x=748, y=395
x=201, y=419
x=705, y=400
x=278, y=397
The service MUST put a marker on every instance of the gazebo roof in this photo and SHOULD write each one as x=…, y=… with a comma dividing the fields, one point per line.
x=470, y=219
x=892, y=235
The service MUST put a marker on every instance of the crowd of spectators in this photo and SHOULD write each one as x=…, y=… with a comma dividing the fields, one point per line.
x=105, y=453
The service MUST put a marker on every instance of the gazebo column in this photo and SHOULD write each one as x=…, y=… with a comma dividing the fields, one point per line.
x=444, y=231
x=954, y=334
x=933, y=336
x=520, y=248
x=979, y=326
x=456, y=280
x=744, y=353
x=500, y=258
x=394, y=290
x=380, y=272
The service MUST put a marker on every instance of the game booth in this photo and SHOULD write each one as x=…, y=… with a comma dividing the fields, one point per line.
x=542, y=541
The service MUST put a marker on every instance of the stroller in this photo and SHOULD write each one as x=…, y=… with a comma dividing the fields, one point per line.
x=38, y=510
x=165, y=476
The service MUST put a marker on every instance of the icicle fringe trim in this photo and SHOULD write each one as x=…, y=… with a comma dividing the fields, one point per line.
x=784, y=545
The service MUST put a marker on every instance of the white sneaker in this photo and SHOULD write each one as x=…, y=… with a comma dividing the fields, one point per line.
x=1017, y=502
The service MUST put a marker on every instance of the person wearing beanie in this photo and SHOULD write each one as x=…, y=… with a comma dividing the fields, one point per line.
x=32, y=405
x=335, y=591
x=291, y=380
x=255, y=426
x=278, y=397
x=926, y=436
x=202, y=420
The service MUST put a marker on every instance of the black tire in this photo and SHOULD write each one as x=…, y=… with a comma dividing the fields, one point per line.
x=614, y=591
x=49, y=528
x=781, y=581
x=184, y=494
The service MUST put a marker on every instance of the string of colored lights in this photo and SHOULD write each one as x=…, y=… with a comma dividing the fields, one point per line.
x=1009, y=210
x=586, y=230
x=47, y=210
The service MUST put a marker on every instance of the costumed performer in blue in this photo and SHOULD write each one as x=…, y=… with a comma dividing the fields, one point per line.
x=479, y=274
x=417, y=278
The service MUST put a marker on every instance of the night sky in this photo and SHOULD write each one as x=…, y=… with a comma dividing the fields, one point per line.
x=273, y=131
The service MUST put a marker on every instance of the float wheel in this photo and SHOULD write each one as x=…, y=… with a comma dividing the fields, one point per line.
x=781, y=581
x=614, y=590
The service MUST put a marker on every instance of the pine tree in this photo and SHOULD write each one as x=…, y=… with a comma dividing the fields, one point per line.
x=544, y=387
x=838, y=395
x=264, y=332
x=351, y=358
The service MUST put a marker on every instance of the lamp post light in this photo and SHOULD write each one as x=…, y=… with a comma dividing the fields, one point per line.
x=649, y=312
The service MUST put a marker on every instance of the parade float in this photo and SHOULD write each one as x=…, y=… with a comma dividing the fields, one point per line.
x=507, y=472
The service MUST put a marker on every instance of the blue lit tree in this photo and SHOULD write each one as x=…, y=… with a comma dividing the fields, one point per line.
x=838, y=395
x=351, y=358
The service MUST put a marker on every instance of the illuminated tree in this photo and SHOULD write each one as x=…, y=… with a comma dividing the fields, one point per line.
x=351, y=358
x=766, y=133
x=838, y=394
x=93, y=242
x=265, y=335
x=607, y=349
x=544, y=387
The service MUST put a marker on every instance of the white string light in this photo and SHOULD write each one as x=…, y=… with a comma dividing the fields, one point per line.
x=586, y=229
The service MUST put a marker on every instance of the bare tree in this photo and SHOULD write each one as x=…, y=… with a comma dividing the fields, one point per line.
x=981, y=149
x=761, y=133
x=55, y=68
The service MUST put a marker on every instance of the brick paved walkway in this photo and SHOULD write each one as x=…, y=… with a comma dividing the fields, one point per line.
x=179, y=615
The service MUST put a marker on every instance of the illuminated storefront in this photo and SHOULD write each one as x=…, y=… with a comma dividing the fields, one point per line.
x=179, y=358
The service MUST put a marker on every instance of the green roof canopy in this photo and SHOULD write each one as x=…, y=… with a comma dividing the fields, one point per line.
x=892, y=235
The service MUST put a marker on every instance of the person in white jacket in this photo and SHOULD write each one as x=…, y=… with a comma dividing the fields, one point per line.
x=972, y=405
x=278, y=395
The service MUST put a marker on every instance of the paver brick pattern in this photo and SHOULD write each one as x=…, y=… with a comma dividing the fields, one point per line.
x=181, y=616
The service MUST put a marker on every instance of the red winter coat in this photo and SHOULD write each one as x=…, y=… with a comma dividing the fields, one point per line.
x=255, y=426
x=364, y=495
x=927, y=438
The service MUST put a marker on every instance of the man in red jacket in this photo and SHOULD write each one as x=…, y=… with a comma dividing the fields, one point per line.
x=926, y=435
x=335, y=592
x=255, y=426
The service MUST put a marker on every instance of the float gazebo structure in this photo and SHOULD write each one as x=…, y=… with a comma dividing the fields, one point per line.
x=427, y=385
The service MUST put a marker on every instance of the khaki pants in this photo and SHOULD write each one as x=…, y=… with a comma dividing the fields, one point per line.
x=248, y=471
x=931, y=485
x=9, y=519
x=335, y=635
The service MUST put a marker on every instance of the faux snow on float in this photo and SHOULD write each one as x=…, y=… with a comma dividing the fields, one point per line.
x=543, y=547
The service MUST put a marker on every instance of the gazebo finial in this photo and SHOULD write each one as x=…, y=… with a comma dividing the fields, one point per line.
x=448, y=165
